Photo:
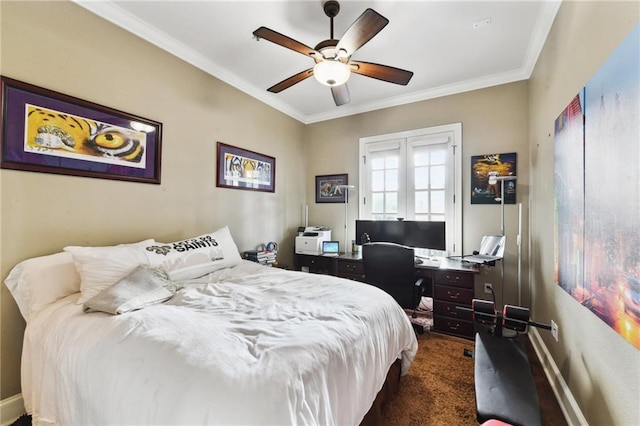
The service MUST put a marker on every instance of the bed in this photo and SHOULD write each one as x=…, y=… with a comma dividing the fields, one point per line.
x=242, y=344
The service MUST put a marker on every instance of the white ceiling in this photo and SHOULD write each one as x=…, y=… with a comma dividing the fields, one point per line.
x=434, y=39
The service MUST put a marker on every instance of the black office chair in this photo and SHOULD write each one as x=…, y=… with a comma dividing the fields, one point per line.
x=390, y=267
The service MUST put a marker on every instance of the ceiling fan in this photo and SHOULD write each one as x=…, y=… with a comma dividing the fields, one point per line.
x=333, y=57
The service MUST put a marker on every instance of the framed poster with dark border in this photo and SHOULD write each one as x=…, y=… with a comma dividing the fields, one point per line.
x=329, y=188
x=485, y=187
x=46, y=131
x=239, y=168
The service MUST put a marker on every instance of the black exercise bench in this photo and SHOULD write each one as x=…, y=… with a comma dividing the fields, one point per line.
x=504, y=385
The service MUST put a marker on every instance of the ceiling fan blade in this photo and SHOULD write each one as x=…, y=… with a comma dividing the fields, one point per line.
x=284, y=41
x=361, y=31
x=382, y=72
x=341, y=94
x=288, y=82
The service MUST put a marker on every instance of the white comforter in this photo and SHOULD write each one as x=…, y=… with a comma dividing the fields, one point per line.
x=242, y=346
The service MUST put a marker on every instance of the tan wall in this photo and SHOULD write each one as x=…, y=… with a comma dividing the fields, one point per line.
x=41, y=212
x=601, y=369
x=61, y=46
x=494, y=120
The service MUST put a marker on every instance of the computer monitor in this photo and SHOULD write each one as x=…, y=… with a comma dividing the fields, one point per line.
x=411, y=233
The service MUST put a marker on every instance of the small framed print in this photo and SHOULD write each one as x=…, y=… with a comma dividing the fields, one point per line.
x=331, y=188
x=491, y=173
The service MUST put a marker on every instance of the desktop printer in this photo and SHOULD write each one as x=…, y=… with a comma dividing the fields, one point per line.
x=310, y=242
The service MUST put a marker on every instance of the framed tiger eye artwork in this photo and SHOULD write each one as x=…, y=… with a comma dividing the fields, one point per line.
x=239, y=168
x=46, y=131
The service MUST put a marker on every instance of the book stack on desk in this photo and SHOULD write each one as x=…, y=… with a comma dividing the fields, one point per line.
x=264, y=257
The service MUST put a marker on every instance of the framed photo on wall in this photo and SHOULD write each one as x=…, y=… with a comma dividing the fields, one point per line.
x=329, y=188
x=239, y=168
x=486, y=188
x=46, y=131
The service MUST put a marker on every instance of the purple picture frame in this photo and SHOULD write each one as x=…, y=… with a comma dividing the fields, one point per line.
x=239, y=168
x=46, y=131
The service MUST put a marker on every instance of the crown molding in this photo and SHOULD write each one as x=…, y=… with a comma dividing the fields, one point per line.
x=120, y=17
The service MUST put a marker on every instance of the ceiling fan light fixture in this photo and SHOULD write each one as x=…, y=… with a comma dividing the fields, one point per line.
x=333, y=57
x=331, y=72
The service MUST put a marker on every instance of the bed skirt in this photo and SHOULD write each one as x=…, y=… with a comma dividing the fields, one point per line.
x=389, y=389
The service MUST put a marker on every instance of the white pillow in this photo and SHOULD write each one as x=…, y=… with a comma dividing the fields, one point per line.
x=101, y=267
x=195, y=257
x=36, y=282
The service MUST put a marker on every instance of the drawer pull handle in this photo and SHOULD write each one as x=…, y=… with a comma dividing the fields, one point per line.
x=453, y=296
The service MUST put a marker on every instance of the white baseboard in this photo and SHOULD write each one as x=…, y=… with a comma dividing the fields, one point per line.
x=10, y=409
x=568, y=404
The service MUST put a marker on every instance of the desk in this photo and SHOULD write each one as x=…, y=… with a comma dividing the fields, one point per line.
x=450, y=284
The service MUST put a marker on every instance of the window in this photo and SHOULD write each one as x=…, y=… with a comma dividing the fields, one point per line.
x=415, y=175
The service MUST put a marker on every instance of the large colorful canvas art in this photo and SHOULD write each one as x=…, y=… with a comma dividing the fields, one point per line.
x=569, y=196
x=597, y=193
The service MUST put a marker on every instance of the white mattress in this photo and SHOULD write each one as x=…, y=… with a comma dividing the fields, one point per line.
x=247, y=345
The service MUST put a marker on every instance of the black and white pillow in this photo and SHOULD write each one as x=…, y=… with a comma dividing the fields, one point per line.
x=195, y=257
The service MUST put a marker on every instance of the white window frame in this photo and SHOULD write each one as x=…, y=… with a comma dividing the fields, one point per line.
x=452, y=134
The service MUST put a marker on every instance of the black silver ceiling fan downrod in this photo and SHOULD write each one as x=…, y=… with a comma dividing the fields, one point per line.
x=331, y=9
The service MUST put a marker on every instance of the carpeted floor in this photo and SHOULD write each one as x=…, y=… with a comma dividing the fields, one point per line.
x=24, y=420
x=438, y=390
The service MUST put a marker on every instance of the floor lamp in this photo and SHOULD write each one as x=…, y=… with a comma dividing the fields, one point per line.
x=502, y=179
x=346, y=188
